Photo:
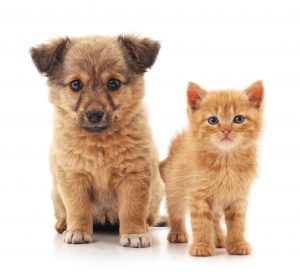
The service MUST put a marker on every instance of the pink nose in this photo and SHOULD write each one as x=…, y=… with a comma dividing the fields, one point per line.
x=226, y=131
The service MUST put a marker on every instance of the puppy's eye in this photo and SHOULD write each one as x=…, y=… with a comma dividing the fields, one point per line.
x=76, y=85
x=113, y=84
x=213, y=120
x=239, y=119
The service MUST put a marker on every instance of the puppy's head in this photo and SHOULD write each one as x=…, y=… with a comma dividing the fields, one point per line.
x=96, y=80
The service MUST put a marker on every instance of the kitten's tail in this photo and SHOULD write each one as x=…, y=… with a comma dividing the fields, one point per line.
x=162, y=169
x=175, y=148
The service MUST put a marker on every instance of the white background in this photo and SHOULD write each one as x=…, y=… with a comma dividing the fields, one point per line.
x=218, y=44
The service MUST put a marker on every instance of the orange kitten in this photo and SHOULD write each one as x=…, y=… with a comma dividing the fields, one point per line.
x=210, y=168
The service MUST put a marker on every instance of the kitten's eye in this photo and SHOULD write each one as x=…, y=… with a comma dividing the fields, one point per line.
x=239, y=119
x=76, y=85
x=213, y=120
x=113, y=84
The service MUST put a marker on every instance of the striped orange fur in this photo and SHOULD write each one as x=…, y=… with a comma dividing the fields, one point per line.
x=211, y=166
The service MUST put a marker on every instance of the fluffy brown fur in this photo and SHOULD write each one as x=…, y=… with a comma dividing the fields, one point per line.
x=210, y=169
x=105, y=171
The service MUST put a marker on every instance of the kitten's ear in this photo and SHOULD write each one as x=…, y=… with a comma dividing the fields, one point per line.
x=140, y=53
x=255, y=93
x=195, y=95
x=47, y=57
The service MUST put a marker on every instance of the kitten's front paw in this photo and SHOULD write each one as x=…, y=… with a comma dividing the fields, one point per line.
x=136, y=240
x=202, y=249
x=178, y=237
x=241, y=248
x=77, y=237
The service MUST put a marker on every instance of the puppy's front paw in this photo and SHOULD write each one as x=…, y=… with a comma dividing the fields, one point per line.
x=178, y=237
x=77, y=237
x=202, y=249
x=136, y=240
x=241, y=248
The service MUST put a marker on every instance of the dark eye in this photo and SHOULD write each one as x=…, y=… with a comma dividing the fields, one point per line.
x=113, y=84
x=239, y=119
x=76, y=85
x=213, y=120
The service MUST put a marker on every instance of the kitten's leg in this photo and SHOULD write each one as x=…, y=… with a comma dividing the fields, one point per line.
x=76, y=193
x=235, y=221
x=219, y=235
x=202, y=226
x=176, y=210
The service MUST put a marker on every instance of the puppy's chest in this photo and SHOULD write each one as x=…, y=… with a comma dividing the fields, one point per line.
x=99, y=164
x=93, y=160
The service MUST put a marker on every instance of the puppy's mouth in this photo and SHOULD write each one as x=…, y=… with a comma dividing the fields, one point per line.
x=96, y=129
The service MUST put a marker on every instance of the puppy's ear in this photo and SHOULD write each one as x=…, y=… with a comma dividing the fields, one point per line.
x=255, y=93
x=140, y=54
x=47, y=57
x=195, y=95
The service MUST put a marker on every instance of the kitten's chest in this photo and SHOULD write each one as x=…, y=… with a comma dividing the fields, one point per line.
x=228, y=181
x=226, y=186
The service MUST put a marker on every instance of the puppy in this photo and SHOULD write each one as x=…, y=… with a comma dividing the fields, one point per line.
x=103, y=159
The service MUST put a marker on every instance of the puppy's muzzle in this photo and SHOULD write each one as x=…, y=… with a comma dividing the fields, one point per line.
x=96, y=120
x=94, y=116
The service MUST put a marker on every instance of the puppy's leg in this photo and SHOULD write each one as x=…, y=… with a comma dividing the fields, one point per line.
x=156, y=193
x=59, y=211
x=76, y=192
x=133, y=199
x=235, y=221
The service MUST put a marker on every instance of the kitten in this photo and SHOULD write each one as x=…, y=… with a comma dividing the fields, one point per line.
x=210, y=168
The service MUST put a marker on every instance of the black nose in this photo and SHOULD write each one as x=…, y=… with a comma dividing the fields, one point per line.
x=94, y=116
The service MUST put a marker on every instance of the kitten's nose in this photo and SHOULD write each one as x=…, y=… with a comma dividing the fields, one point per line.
x=226, y=131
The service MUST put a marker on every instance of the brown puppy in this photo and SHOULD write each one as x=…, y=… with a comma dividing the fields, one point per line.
x=103, y=159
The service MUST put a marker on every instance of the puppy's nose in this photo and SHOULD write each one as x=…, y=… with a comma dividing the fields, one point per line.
x=94, y=116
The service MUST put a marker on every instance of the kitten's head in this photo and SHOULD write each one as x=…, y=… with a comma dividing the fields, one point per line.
x=226, y=120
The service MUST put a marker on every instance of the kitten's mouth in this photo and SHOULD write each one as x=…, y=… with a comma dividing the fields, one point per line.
x=226, y=138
